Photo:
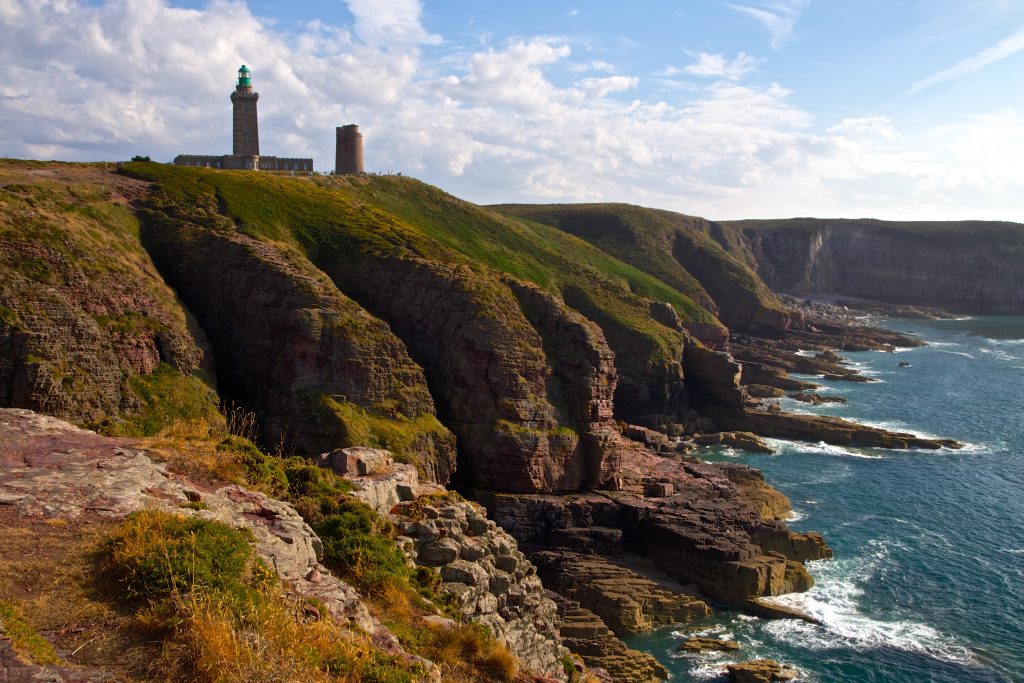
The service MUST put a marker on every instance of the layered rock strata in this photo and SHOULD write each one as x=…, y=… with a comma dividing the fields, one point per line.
x=629, y=595
x=705, y=524
x=83, y=310
x=586, y=634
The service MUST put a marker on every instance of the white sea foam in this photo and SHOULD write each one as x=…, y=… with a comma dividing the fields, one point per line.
x=795, y=516
x=834, y=602
x=958, y=353
x=820, y=448
x=1000, y=354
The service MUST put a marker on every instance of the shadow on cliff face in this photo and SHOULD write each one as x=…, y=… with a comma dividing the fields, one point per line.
x=318, y=370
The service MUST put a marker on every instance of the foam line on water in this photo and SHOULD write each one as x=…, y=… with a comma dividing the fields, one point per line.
x=834, y=601
x=819, y=448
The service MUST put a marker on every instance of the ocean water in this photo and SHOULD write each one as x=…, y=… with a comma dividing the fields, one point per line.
x=927, y=583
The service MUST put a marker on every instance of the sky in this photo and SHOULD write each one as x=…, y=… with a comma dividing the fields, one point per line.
x=896, y=109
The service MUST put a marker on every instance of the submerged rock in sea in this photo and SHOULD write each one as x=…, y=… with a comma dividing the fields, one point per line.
x=760, y=671
x=746, y=441
x=699, y=644
x=816, y=399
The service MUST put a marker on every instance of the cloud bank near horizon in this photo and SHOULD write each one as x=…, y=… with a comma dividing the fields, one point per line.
x=489, y=123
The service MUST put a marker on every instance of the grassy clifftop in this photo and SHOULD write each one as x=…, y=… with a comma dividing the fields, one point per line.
x=397, y=216
x=344, y=224
x=681, y=251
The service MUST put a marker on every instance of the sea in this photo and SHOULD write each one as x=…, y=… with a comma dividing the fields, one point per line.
x=927, y=583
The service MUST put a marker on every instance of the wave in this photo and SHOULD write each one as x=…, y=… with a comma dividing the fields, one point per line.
x=1000, y=354
x=958, y=353
x=834, y=602
x=820, y=448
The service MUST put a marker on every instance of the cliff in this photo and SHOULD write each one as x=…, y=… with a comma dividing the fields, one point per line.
x=679, y=250
x=487, y=351
x=963, y=266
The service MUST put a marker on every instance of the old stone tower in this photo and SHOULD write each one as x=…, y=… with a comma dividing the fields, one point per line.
x=246, y=133
x=348, y=152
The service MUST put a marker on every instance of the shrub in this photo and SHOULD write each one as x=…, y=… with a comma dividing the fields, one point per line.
x=500, y=664
x=156, y=554
x=356, y=545
x=261, y=471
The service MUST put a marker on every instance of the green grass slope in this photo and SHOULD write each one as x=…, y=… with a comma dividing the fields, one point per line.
x=682, y=251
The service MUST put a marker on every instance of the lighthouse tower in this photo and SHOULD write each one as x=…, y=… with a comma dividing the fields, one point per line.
x=246, y=134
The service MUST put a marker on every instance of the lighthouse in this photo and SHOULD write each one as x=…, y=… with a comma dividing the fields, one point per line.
x=245, y=139
x=246, y=134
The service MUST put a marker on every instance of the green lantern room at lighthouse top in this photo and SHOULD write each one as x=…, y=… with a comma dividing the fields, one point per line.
x=244, y=79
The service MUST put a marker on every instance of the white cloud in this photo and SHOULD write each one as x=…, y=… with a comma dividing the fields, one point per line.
x=1006, y=47
x=866, y=125
x=712, y=65
x=84, y=82
x=779, y=17
x=593, y=65
x=390, y=21
x=599, y=87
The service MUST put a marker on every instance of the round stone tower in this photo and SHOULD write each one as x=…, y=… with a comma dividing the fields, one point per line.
x=246, y=134
x=348, y=158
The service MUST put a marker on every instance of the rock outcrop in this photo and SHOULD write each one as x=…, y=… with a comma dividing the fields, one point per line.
x=586, y=634
x=711, y=526
x=53, y=470
x=492, y=582
x=760, y=671
x=629, y=595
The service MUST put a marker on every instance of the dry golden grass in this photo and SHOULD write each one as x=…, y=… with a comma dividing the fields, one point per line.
x=190, y=446
x=500, y=664
x=269, y=642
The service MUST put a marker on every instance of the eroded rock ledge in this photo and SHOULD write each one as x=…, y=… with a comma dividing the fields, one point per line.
x=52, y=470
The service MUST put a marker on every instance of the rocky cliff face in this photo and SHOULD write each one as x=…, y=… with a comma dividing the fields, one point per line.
x=318, y=369
x=970, y=266
x=518, y=422
x=83, y=311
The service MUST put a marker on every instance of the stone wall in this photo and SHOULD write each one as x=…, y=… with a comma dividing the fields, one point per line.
x=246, y=163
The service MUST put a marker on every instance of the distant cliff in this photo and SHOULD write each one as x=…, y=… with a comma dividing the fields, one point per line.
x=964, y=266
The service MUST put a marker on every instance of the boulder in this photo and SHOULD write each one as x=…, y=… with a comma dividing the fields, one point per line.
x=746, y=441
x=698, y=644
x=760, y=671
